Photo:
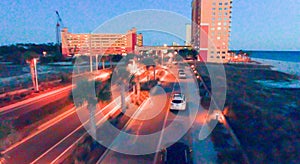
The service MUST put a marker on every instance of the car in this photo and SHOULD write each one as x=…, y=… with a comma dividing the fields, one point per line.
x=180, y=70
x=178, y=102
x=178, y=153
x=181, y=75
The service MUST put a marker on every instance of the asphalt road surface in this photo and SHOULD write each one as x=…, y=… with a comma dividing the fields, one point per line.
x=154, y=116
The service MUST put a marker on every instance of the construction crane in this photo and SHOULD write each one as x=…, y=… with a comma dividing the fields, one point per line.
x=59, y=24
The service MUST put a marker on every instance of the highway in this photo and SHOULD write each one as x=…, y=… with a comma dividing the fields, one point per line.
x=56, y=140
x=34, y=103
x=155, y=116
x=49, y=143
x=52, y=138
x=39, y=101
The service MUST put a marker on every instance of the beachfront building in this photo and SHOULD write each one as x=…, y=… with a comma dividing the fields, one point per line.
x=211, y=21
x=188, y=34
x=96, y=44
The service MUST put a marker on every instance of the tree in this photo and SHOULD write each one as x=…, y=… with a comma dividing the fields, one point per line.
x=122, y=74
x=83, y=95
x=29, y=55
x=104, y=93
x=188, y=54
x=148, y=62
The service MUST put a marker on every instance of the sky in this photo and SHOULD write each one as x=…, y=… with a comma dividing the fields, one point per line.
x=256, y=24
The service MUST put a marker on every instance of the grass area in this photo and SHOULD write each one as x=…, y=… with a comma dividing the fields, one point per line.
x=265, y=119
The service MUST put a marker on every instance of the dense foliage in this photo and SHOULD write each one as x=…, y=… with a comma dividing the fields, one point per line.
x=15, y=52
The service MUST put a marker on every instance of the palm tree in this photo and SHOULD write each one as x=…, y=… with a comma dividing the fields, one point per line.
x=104, y=92
x=123, y=76
x=83, y=95
x=148, y=62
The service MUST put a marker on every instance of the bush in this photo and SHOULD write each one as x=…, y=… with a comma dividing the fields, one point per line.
x=148, y=85
x=65, y=78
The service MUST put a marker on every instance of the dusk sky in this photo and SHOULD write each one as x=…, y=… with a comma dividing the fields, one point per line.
x=256, y=24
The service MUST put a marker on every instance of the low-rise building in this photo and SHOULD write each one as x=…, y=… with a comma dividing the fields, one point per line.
x=96, y=44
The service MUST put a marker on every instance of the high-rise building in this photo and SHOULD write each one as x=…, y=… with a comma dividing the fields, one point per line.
x=188, y=34
x=96, y=44
x=211, y=22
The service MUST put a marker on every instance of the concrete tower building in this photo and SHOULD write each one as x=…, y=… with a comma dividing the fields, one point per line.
x=211, y=21
x=188, y=34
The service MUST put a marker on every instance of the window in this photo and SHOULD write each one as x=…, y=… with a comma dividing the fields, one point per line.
x=220, y=14
x=220, y=8
x=225, y=8
x=219, y=18
x=223, y=57
x=213, y=18
x=218, y=52
x=225, y=18
x=223, y=52
x=218, y=57
x=219, y=28
x=218, y=38
x=211, y=56
x=219, y=24
x=226, y=13
x=214, y=3
x=212, y=52
x=220, y=3
x=213, y=29
x=225, y=23
x=226, y=3
x=213, y=13
x=213, y=8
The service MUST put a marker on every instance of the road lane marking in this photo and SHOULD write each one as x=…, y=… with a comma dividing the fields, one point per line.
x=138, y=111
x=163, y=129
x=67, y=114
x=50, y=122
x=112, y=111
x=98, y=123
x=66, y=137
x=17, y=105
x=161, y=136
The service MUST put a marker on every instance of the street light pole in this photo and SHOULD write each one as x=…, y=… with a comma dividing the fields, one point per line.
x=162, y=58
x=96, y=62
x=91, y=57
x=35, y=75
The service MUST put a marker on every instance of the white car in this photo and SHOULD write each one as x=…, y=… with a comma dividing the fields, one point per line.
x=181, y=75
x=178, y=102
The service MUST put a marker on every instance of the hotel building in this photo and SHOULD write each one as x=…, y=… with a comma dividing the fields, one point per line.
x=96, y=44
x=211, y=21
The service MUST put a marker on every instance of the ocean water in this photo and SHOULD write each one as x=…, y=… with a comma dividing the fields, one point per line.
x=287, y=62
x=289, y=56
